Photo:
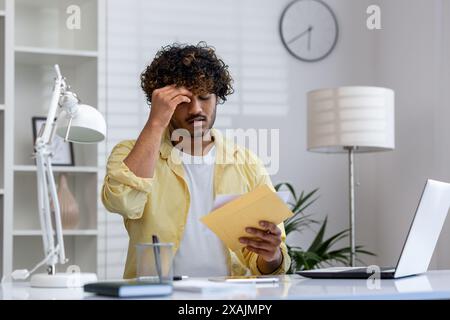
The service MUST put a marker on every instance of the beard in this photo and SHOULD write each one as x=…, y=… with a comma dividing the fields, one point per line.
x=191, y=136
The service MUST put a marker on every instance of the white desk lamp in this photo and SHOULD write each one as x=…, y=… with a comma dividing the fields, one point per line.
x=351, y=119
x=77, y=123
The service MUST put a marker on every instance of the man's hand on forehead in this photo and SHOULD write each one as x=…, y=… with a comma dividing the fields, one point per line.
x=189, y=92
x=174, y=87
x=164, y=102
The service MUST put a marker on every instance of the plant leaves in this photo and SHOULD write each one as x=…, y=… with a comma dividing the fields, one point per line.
x=303, y=203
x=320, y=252
x=319, y=237
x=290, y=188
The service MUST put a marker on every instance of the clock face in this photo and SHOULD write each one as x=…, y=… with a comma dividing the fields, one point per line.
x=308, y=29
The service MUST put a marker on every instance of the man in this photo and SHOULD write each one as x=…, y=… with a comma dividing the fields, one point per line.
x=162, y=185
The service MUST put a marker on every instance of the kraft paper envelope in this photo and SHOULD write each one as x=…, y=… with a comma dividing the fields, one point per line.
x=222, y=199
x=229, y=221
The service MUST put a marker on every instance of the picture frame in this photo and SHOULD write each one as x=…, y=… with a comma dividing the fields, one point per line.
x=63, y=154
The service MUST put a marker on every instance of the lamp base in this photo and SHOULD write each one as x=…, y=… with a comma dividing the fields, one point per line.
x=62, y=280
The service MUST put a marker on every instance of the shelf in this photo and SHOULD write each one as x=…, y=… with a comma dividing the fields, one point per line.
x=81, y=169
x=84, y=188
x=61, y=52
x=2, y=107
x=43, y=24
x=85, y=232
x=47, y=56
x=81, y=251
x=37, y=80
x=2, y=191
x=2, y=13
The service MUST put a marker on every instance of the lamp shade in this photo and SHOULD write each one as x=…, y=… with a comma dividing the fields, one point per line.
x=88, y=125
x=355, y=116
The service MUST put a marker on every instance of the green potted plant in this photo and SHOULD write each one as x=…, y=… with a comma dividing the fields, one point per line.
x=321, y=251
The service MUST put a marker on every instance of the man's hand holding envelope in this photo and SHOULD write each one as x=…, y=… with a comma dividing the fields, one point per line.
x=250, y=221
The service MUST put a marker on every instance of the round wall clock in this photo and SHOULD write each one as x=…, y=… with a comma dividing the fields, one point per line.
x=308, y=29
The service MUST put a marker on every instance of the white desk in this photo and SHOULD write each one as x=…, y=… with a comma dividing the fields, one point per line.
x=432, y=285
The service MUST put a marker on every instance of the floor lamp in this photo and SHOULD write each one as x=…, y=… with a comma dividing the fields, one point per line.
x=350, y=120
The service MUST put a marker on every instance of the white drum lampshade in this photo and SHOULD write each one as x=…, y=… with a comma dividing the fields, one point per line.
x=359, y=117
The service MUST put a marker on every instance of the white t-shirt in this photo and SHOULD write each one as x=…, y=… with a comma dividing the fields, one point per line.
x=201, y=252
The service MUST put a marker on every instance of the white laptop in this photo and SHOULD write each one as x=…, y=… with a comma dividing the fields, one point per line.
x=418, y=247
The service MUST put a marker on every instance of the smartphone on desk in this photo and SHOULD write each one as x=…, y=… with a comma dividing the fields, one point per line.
x=245, y=279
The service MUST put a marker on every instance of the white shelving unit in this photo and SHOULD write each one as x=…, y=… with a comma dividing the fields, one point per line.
x=2, y=122
x=34, y=37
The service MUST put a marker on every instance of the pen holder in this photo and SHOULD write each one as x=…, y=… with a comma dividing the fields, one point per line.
x=155, y=262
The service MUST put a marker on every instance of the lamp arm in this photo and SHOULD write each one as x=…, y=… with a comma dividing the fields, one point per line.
x=58, y=90
x=44, y=215
x=44, y=207
x=46, y=181
x=58, y=225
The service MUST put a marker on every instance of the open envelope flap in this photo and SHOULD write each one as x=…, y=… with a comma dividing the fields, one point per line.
x=229, y=221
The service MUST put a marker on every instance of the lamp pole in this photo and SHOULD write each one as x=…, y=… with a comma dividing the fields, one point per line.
x=351, y=204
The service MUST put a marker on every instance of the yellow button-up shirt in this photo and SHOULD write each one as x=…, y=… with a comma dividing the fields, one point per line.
x=160, y=205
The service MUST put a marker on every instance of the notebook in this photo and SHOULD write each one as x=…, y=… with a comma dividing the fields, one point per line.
x=229, y=220
x=128, y=288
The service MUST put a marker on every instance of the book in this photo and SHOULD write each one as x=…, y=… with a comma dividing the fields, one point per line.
x=129, y=288
x=229, y=220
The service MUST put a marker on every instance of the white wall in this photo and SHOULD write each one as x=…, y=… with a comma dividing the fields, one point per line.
x=349, y=64
x=271, y=91
x=412, y=53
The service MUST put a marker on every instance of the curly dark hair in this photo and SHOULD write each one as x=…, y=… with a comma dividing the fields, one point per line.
x=195, y=67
